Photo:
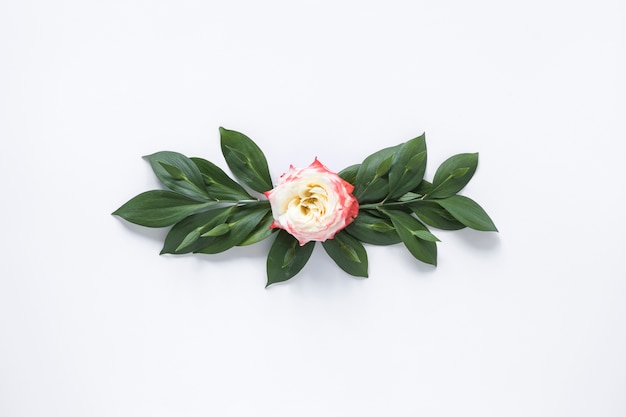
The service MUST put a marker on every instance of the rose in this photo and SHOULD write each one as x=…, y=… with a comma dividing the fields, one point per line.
x=313, y=203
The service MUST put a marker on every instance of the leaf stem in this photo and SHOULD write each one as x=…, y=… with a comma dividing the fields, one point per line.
x=383, y=203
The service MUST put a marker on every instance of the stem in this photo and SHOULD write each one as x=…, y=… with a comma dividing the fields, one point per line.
x=377, y=206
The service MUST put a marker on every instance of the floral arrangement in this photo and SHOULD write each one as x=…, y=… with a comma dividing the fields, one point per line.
x=382, y=201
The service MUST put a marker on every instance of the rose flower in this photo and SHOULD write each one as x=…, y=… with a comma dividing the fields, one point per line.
x=312, y=203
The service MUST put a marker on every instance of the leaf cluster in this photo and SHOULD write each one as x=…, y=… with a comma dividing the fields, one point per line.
x=397, y=205
x=209, y=212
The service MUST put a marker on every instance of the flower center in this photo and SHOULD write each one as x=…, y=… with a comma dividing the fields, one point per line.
x=312, y=201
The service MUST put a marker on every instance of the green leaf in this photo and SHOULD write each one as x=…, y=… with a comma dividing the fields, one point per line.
x=218, y=184
x=409, y=165
x=193, y=236
x=434, y=215
x=246, y=160
x=241, y=223
x=174, y=172
x=426, y=235
x=260, y=232
x=348, y=253
x=289, y=256
x=370, y=185
x=372, y=229
x=409, y=196
x=384, y=166
x=453, y=175
x=178, y=173
x=286, y=257
x=349, y=174
x=468, y=212
x=407, y=227
x=219, y=230
x=159, y=208
x=423, y=188
x=197, y=223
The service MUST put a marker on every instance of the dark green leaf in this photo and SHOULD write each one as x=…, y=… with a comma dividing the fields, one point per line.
x=407, y=227
x=241, y=223
x=348, y=253
x=260, y=232
x=219, y=185
x=197, y=223
x=178, y=173
x=246, y=160
x=369, y=185
x=349, y=174
x=468, y=212
x=281, y=265
x=409, y=165
x=376, y=191
x=159, y=208
x=372, y=229
x=423, y=188
x=434, y=215
x=453, y=175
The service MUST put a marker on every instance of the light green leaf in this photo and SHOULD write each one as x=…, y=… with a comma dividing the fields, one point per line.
x=193, y=236
x=384, y=166
x=219, y=230
x=425, y=235
x=159, y=208
x=246, y=160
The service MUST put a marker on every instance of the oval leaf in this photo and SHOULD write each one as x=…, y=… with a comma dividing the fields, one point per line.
x=260, y=232
x=434, y=215
x=199, y=222
x=286, y=257
x=349, y=174
x=348, y=253
x=407, y=227
x=409, y=165
x=370, y=185
x=468, y=212
x=246, y=160
x=178, y=173
x=159, y=208
x=218, y=184
x=453, y=175
x=240, y=223
x=373, y=230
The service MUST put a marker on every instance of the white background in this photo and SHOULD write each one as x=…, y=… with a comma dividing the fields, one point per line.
x=527, y=322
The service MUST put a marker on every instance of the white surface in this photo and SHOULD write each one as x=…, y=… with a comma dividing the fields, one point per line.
x=529, y=322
